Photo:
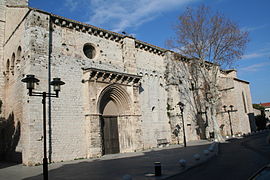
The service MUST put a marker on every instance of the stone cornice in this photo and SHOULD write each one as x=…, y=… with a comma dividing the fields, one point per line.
x=121, y=115
x=86, y=28
x=93, y=30
x=227, y=71
x=17, y=6
x=149, y=47
x=101, y=75
x=240, y=80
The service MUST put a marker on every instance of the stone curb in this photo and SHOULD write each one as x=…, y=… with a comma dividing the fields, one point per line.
x=256, y=132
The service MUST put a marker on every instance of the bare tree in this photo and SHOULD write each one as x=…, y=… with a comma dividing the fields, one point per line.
x=210, y=41
x=209, y=36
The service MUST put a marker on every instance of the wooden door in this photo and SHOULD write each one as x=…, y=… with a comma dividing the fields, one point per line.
x=110, y=135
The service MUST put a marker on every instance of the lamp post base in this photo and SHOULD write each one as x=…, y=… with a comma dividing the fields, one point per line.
x=45, y=169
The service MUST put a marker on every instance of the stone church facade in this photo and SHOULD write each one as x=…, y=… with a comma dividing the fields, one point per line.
x=117, y=97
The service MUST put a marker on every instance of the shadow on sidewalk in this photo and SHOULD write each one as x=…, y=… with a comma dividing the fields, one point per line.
x=136, y=166
x=7, y=164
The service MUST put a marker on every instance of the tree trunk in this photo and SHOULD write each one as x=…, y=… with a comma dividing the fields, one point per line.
x=216, y=129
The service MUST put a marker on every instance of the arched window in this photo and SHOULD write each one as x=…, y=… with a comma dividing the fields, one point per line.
x=7, y=66
x=244, y=102
x=19, y=52
x=12, y=63
x=7, y=69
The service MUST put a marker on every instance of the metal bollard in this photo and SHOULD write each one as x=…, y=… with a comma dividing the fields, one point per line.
x=157, y=169
x=196, y=157
x=127, y=177
x=183, y=163
x=206, y=152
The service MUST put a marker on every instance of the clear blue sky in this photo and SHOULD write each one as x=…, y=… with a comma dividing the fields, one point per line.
x=152, y=21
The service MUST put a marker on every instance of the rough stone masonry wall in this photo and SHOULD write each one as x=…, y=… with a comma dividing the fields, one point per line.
x=2, y=38
x=14, y=90
x=231, y=93
x=178, y=86
x=164, y=83
x=113, y=56
x=153, y=98
x=245, y=109
x=227, y=98
x=4, y=29
x=16, y=2
x=68, y=118
x=68, y=62
x=36, y=37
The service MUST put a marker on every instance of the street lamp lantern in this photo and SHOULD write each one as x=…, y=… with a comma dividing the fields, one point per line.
x=229, y=111
x=181, y=106
x=30, y=81
x=57, y=83
x=224, y=107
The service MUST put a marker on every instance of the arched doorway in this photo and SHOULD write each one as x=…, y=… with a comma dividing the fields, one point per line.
x=112, y=103
x=109, y=129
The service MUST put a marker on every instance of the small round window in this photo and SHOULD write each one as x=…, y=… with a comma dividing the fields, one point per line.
x=89, y=51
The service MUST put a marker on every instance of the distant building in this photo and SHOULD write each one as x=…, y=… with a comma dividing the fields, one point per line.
x=267, y=109
x=257, y=112
x=121, y=94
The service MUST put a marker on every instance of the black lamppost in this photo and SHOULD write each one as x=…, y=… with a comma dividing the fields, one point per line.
x=181, y=106
x=30, y=81
x=228, y=111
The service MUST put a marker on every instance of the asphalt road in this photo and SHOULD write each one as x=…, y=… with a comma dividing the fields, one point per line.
x=238, y=159
x=112, y=166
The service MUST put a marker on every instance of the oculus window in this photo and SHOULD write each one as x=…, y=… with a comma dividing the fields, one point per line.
x=89, y=51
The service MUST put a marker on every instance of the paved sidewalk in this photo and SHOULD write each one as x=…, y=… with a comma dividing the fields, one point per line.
x=139, y=165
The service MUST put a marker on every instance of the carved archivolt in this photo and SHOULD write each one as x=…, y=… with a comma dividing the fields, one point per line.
x=118, y=96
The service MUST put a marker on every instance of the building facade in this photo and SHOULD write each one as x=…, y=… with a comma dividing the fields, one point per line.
x=267, y=109
x=121, y=94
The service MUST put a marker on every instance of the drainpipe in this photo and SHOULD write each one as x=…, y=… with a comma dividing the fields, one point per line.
x=49, y=90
